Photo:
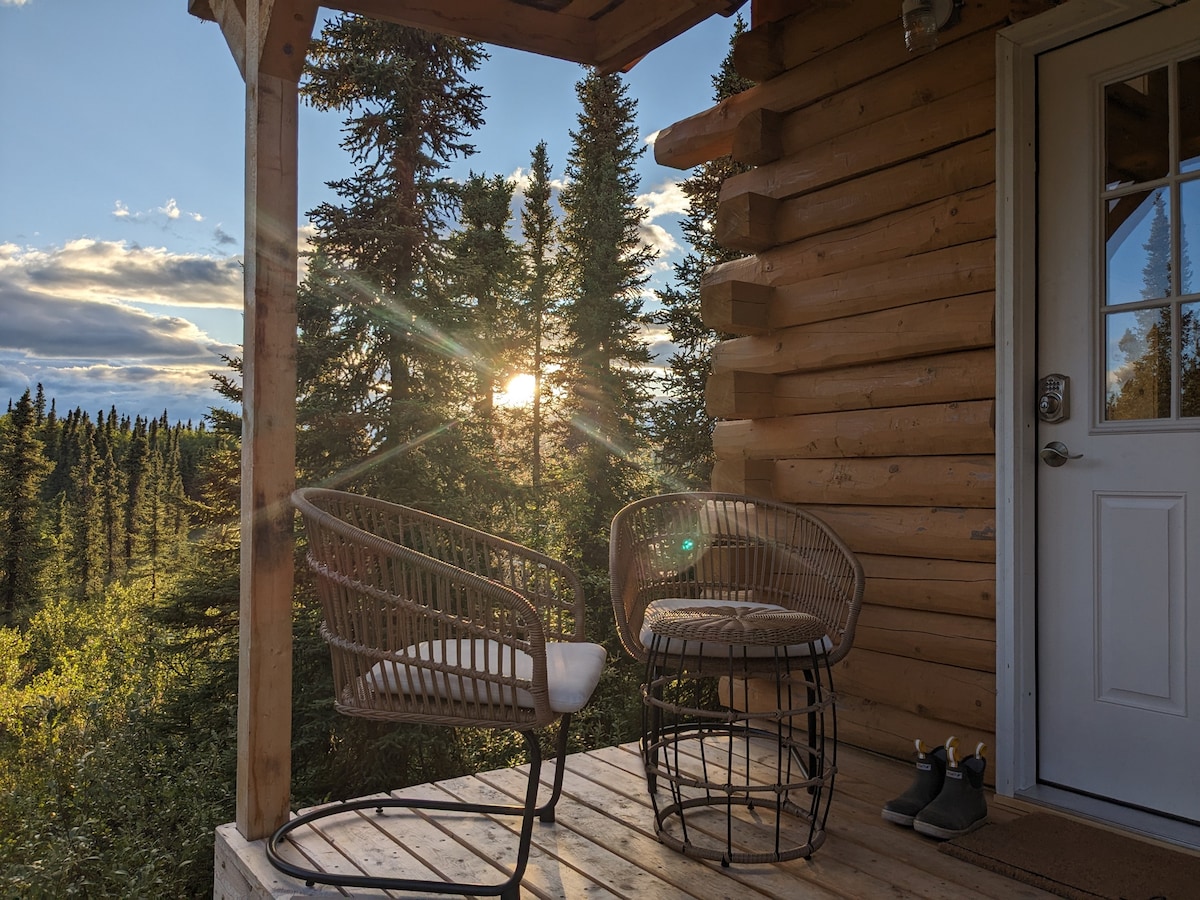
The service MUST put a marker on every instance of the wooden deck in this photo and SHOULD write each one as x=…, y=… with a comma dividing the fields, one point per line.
x=603, y=845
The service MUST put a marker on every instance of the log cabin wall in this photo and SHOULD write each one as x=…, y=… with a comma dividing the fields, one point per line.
x=862, y=383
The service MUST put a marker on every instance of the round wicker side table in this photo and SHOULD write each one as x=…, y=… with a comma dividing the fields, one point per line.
x=742, y=782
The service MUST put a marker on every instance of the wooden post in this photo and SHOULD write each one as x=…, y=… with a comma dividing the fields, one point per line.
x=268, y=442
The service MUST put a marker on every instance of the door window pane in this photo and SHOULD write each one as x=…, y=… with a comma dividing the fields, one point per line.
x=1138, y=379
x=1189, y=114
x=1136, y=129
x=1138, y=247
x=1189, y=345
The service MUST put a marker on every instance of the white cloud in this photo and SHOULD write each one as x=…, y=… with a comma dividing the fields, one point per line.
x=652, y=137
x=669, y=199
x=74, y=321
x=171, y=210
x=658, y=238
x=118, y=272
x=521, y=178
x=121, y=211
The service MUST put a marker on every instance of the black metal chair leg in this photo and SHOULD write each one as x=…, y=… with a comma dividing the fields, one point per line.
x=507, y=890
x=546, y=811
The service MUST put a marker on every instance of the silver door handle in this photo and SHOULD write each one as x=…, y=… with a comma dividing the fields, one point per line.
x=1056, y=453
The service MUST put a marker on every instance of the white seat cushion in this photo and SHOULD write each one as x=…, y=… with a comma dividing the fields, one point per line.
x=716, y=648
x=572, y=672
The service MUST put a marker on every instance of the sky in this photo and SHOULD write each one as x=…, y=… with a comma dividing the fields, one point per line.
x=121, y=188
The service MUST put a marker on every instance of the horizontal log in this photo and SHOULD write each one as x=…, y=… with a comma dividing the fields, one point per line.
x=744, y=476
x=934, y=585
x=950, y=171
x=962, y=598
x=932, y=532
x=746, y=222
x=758, y=53
x=755, y=222
x=874, y=726
x=913, y=133
x=925, y=79
x=708, y=135
x=909, y=567
x=931, y=690
x=765, y=52
x=933, y=430
x=960, y=219
x=928, y=689
x=740, y=395
x=937, y=326
x=967, y=375
x=899, y=481
x=740, y=307
x=758, y=138
x=763, y=12
x=947, y=272
x=961, y=641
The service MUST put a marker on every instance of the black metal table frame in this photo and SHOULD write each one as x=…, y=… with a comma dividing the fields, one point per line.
x=806, y=765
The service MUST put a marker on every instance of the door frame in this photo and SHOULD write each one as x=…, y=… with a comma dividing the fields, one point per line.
x=1017, y=49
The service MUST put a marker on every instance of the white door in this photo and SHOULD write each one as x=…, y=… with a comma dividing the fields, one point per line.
x=1118, y=531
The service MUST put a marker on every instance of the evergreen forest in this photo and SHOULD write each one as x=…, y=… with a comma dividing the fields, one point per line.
x=464, y=347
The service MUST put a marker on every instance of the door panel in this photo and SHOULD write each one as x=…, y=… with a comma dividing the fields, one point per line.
x=1119, y=499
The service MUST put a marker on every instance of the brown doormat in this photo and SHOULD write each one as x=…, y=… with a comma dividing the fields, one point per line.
x=1075, y=860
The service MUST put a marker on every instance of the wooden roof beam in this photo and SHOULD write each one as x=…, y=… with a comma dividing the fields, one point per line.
x=627, y=33
x=230, y=15
x=284, y=32
x=509, y=25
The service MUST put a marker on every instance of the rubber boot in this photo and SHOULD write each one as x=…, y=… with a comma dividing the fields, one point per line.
x=961, y=807
x=926, y=785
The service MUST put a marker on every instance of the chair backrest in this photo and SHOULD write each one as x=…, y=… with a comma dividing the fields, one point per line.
x=731, y=547
x=415, y=607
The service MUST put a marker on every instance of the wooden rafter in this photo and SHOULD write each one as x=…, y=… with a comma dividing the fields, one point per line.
x=611, y=35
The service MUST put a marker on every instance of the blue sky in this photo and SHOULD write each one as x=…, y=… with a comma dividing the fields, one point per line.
x=121, y=176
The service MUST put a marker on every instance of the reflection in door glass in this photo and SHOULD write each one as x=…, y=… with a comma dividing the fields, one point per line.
x=1136, y=129
x=1189, y=341
x=1138, y=350
x=1138, y=247
x=1189, y=114
x=1189, y=237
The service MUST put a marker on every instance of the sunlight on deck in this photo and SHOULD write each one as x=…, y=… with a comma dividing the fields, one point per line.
x=603, y=845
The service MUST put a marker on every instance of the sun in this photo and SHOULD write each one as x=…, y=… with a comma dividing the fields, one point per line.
x=518, y=391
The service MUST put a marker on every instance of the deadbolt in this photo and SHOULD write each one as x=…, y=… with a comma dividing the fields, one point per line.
x=1054, y=397
x=1056, y=453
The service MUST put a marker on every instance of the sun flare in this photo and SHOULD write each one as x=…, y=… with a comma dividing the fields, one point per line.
x=518, y=391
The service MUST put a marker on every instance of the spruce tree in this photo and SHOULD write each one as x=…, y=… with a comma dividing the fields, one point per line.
x=22, y=472
x=605, y=355
x=538, y=227
x=374, y=302
x=483, y=270
x=86, y=550
x=680, y=423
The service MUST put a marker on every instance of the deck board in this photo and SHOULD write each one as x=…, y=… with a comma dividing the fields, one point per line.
x=603, y=845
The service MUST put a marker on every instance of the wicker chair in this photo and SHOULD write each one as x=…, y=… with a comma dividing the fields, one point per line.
x=672, y=550
x=429, y=621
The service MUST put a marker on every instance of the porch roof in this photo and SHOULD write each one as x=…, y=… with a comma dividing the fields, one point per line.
x=611, y=35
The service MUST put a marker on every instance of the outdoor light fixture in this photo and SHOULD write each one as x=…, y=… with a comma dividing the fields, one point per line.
x=923, y=19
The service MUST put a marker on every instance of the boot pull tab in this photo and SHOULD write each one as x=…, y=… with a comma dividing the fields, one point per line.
x=980, y=750
x=922, y=748
x=952, y=752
